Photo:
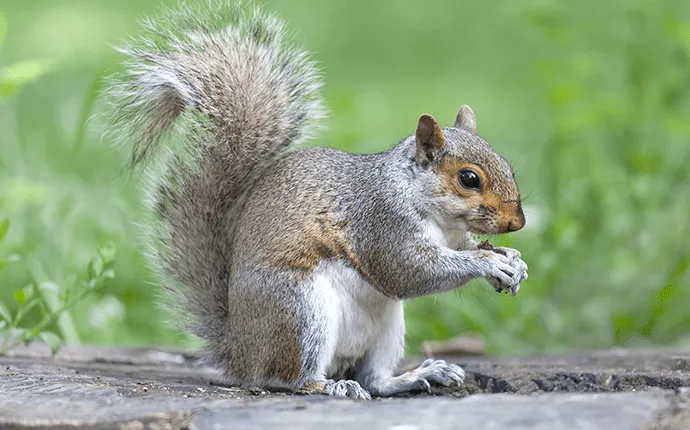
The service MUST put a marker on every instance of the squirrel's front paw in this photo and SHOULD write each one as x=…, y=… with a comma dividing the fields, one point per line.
x=515, y=260
x=506, y=270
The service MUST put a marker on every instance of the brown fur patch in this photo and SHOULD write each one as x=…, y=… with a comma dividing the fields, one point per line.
x=304, y=244
x=316, y=238
x=507, y=213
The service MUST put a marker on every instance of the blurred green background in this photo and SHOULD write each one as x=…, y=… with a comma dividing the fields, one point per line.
x=590, y=100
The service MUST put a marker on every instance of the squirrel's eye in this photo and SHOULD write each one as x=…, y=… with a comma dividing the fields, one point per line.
x=469, y=179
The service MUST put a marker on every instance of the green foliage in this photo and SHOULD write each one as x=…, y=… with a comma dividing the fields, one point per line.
x=609, y=261
x=17, y=74
x=14, y=75
x=52, y=301
x=591, y=108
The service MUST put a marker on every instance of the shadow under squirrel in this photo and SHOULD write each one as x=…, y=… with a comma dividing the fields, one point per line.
x=293, y=264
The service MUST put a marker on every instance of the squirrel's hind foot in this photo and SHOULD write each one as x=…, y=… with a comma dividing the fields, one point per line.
x=341, y=388
x=440, y=372
x=430, y=372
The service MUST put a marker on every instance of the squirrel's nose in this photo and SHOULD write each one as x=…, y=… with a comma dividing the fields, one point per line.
x=516, y=224
x=515, y=219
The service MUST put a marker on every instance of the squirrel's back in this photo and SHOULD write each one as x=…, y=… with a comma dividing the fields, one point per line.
x=296, y=214
x=210, y=97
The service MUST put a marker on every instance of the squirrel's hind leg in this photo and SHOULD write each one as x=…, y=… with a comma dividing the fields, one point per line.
x=376, y=371
x=420, y=379
x=321, y=309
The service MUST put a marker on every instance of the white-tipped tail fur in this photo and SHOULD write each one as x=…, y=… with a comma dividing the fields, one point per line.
x=241, y=96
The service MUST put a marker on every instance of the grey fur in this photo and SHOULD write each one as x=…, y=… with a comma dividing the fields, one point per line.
x=247, y=236
x=241, y=96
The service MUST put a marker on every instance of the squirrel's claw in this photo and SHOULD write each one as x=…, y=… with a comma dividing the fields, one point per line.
x=440, y=372
x=346, y=388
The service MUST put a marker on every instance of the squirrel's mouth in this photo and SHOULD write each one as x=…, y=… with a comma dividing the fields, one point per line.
x=475, y=230
x=481, y=228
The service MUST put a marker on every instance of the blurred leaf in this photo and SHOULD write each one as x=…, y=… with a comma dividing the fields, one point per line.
x=52, y=340
x=52, y=293
x=7, y=90
x=27, y=335
x=95, y=267
x=107, y=252
x=29, y=291
x=24, y=71
x=19, y=297
x=64, y=294
x=21, y=73
x=5, y=313
x=49, y=287
x=20, y=192
x=109, y=274
x=4, y=226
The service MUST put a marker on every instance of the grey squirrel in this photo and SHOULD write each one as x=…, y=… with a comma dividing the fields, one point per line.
x=293, y=263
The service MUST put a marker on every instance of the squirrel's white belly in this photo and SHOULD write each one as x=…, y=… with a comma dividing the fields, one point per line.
x=356, y=310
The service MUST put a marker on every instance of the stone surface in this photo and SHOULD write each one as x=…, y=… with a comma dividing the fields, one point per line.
x=489, y=411
x=92, y=387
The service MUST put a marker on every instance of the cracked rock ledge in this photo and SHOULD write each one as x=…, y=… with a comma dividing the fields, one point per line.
x=94, y=387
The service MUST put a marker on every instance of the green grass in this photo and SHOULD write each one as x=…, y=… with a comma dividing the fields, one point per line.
x=590, y=100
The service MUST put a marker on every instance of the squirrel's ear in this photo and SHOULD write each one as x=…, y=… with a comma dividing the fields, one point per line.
x=429, y=139
x=466, y=120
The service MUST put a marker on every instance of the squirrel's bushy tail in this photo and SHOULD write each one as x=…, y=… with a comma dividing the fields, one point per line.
x=210, y=97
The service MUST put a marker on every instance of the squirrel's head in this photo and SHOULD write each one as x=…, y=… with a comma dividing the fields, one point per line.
x=474, y=185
